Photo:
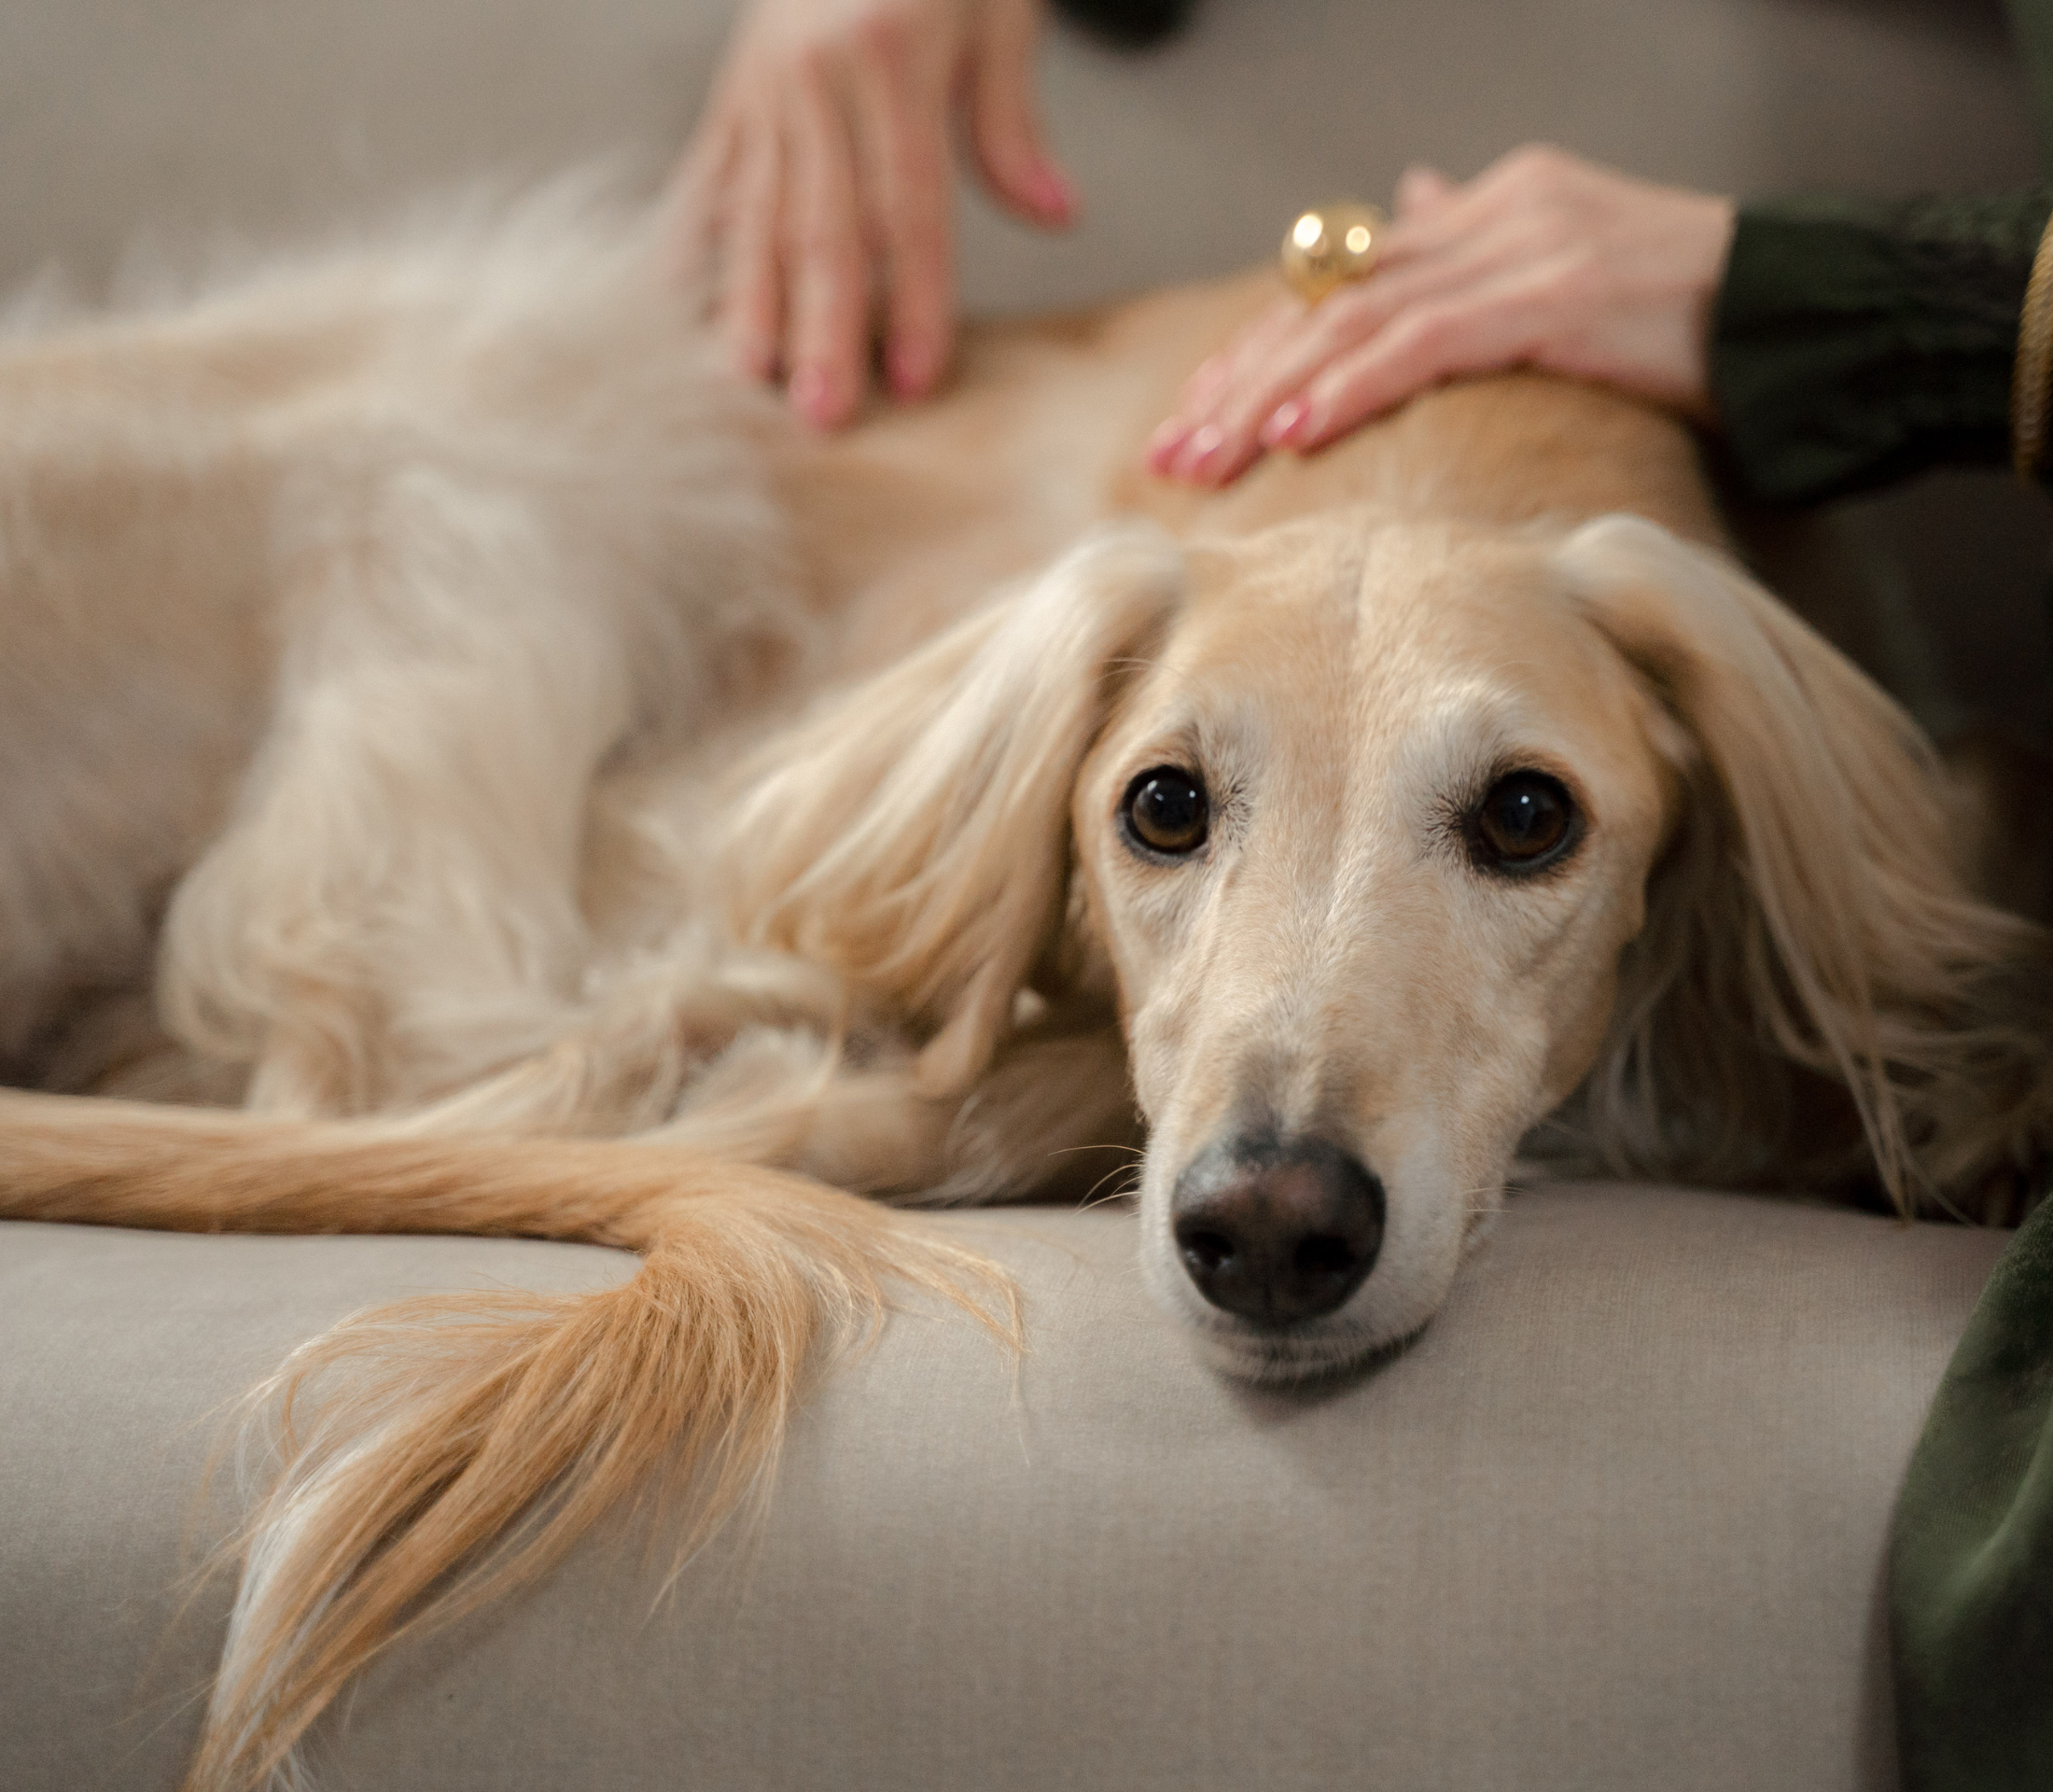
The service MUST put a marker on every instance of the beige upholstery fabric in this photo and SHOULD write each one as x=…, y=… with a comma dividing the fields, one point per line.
x=1615, y=1521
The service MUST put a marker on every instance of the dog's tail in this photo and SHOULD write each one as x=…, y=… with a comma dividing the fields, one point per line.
x=436, y=1451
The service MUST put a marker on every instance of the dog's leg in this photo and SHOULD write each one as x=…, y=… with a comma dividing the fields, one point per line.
x=1054, y=1116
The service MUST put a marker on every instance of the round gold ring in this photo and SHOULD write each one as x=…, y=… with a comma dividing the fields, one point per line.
x=1330, y=246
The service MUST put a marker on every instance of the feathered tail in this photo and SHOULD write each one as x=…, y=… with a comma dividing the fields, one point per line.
x=436, y=1453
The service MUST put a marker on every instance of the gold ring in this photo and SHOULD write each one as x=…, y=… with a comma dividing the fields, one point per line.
x=1330, y=246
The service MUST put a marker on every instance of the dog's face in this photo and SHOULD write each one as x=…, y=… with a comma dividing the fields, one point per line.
x=1363, y=844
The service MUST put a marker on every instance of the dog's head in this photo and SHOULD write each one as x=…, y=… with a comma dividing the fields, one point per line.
x=1363, y=842
x=1384, y=840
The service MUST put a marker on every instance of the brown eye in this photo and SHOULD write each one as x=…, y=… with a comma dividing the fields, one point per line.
x=1526, y=821
x=1166, y=811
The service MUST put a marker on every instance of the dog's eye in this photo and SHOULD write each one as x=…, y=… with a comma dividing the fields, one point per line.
x=1166, y=810
x=1526, y=821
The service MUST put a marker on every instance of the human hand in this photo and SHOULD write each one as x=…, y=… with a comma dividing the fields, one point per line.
x=815, y=194
x=1541, y=260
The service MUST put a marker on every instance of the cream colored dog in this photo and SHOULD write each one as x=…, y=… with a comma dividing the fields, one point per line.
x=446, y=721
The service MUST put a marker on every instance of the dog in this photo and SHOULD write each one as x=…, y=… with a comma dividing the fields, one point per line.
x=468, y=764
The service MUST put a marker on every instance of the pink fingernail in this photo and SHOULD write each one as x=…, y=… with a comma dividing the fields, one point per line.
x=912, y=370
x=1188, y=462
x=1162, y=446
x=1284, y=421
x=813, y=395
x=1052, y=194
x=1183, y=460
x=1203, y=446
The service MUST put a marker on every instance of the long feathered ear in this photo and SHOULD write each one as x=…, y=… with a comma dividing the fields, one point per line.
x=914, y=836
x=1810, y=945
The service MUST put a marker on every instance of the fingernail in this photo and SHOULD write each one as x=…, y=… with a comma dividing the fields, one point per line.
x=813, y=395
x=1202, y=448
x=1283, y=422
x=1196, y=461
x=1162, y=446
x=1052, y=194
x=912, y=370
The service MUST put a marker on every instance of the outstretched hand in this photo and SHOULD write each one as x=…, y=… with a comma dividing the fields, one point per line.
x=1541, y=260
x=816, y=196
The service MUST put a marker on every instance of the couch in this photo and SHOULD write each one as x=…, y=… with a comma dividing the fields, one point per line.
x=1616, y=1520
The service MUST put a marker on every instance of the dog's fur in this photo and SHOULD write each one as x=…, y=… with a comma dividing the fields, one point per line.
x=443, y=716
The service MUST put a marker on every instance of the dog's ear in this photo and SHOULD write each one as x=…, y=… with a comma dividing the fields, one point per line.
x=914, y=836
x=1807, y=929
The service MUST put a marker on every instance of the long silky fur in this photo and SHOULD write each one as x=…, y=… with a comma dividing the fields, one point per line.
x=1812, y=956
x=914, y=836
x=523, y=533
x=433, y=1454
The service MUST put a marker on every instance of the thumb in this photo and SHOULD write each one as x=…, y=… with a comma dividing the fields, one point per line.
x=1005, y=119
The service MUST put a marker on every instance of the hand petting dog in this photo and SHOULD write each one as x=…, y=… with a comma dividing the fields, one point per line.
x=816, y=196
x=1541, y=260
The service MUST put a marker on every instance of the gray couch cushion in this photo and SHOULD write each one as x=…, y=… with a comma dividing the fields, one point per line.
x=1616, y=1520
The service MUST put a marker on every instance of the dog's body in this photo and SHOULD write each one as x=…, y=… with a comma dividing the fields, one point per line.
x=443, y=715
x=192, y=499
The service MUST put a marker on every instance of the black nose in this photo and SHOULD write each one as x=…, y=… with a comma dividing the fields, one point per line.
x=1278, y=1231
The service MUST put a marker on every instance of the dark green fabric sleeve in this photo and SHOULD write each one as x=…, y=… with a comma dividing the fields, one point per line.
x=1855, y=342
x=1971, y=1561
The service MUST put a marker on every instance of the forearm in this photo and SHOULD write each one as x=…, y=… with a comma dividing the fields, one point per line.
x=1857, y=341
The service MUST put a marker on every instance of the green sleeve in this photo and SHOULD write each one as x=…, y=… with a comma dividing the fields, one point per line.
x=1855, y=342
x=1971, y=1557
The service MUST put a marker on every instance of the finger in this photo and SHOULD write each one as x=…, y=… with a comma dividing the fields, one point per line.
x=1265, y=404
x=1481, y=334
x=1004, y=121
x=752, y=302
x=1499, y=206
x=827, y=272
x=1250, y=346
x=1421, y=190
x=1532, y=181
x=902, y=119
x=1228, y=440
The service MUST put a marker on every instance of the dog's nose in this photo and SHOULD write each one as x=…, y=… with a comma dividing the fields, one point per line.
x=1278, y=1231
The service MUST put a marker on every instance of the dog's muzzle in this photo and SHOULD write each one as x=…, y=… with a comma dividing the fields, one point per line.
x=1277, y=1230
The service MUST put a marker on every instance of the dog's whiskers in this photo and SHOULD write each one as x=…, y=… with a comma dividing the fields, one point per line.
x=1095, y=1199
